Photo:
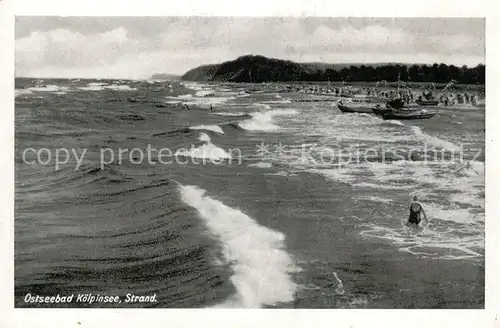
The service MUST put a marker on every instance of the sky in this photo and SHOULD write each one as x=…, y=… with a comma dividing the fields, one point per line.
x=138, y=47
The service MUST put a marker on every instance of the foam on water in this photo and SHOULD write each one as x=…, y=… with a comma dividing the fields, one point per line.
x=456, y=228
x=204, y=137
x=336, y=174
x=262, y=106
x=206, y=151
x=200, y=98
x=264, y=121
x=282, y=174
x=117, y=87
x=395, y=122
x=468, y=199
x=197, y=101
x=230, y=114
x=263, y=165
x=384, y=186
x=376, y=199
x=214, y=128
x=204, y=93
x=261, y=266
x=334, y=127
x=284, y=101
x=194, y=85
x=48, y=88
x=452, y=191
x=90, y=87
x=99, y=86
x=21, y=92
x=434, y=141
x=452, y=233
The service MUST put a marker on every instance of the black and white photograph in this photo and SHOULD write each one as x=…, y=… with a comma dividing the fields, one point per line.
x=249, y=162
x=239, y=162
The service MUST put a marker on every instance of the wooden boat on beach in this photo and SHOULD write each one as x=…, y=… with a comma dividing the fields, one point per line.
x=355, y=107
x=407, y=114
x=397, y=109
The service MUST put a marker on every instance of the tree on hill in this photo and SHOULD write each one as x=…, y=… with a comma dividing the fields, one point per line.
x=258, y=69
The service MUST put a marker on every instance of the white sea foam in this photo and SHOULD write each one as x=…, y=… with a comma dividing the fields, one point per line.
x=261, y=266
x=337, y=174
x=205, y=101
x=452, y=233
x=207, y=151
x=214, y=128
x=365, y=128
x=48, y=88
x=204, y=137
x=21, y=92
x=262, y=106
x=92, y=88
x=395, y=122
x=282, y=174
x=96, y=83
x=230, y=114
x=470, y=199
x=194, y=85
x=117, y=87
x=204, y=93
x=284, y=101
x=434, y=141
x=98, y=86
x=452, y=192
x=264, y=121
x=263, y=165
x=382, y=186
x=376, y=199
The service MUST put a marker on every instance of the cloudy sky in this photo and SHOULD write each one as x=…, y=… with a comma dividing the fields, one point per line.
x=137, y=47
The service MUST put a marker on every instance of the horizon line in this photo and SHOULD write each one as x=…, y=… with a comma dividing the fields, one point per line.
x=257, y=55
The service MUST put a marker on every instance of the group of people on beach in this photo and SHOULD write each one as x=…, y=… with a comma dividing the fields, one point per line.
x=446, y=97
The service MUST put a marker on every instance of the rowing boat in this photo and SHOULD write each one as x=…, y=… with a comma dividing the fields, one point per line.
x=355, y=108
x=407, y=114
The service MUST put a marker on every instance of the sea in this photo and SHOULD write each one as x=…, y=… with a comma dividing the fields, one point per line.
x=241, y=196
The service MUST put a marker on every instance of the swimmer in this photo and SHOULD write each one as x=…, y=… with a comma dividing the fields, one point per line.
x=416, y=212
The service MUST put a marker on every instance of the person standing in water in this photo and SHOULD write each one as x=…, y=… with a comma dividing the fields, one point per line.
x=416, y=212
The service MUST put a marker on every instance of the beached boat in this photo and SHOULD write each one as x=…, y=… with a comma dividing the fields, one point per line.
x=355, y=107
x=407, y=114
